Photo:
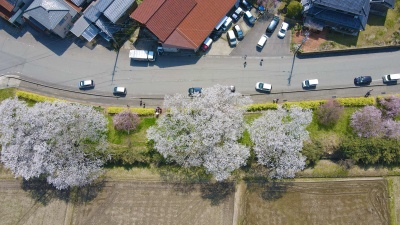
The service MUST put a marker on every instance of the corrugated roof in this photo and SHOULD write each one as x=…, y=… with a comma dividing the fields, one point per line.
x=102, y=5
x=387, y=3
x=90, y=32
x=146, y=10
x=353, y=6
x=106, y=26
x=80, y=26
x=48, y=12
x=200, y=22
x=92, y=13
x=117, y=9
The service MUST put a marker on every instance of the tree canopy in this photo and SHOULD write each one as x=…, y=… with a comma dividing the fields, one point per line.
x=61, y=141
x=203, y=130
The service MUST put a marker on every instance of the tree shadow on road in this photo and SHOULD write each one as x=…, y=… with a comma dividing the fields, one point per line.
x=44, y=193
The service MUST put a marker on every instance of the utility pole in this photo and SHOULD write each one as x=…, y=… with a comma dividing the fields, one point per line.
x=306, y=34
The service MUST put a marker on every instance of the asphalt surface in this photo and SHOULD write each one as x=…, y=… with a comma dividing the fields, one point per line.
x=58, y=63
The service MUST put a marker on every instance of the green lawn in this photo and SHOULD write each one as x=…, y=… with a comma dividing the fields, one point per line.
x=7, y=93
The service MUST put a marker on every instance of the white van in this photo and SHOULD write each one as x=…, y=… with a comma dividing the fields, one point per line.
x=262, y=41
x=227, y=24
x=231, y=38
x=310, y=83
x=391, y=77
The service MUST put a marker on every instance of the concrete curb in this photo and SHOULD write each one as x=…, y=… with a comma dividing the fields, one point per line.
x=354, y=51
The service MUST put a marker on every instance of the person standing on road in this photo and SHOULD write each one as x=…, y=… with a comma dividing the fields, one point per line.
x=261, y=62
x=244, y=64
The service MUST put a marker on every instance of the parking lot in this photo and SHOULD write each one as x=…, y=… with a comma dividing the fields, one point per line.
x=275, y=47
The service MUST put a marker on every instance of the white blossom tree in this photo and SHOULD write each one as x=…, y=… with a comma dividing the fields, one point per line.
x=203, y=130
x=61, y=141
x=278, y=136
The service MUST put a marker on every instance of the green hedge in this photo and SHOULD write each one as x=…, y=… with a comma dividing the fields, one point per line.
x=139, y=111
x=356, y=102
x=260, y=107
x=305, y=104
x=34, y=97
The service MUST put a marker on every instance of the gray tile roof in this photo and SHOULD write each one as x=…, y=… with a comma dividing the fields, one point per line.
x=47, y=12
x=106, y=26
x=352, y=6
x=117, y=9
x=80, y=26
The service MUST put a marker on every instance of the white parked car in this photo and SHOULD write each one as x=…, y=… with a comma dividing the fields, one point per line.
x=283, y=30
x=264, y=87
x=309, y=83
x=262, y=41
x=231, y=38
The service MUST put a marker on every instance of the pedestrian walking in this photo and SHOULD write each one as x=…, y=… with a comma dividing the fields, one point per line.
x=140, y=103
x=144, y=105
x=368, y=93
x=261, y=62
x=245, y=56
x=245, y=64
x=277, y=100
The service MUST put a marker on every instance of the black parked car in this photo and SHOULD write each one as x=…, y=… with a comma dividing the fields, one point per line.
x=194, y=90
x=215, y=34
x=363, y=80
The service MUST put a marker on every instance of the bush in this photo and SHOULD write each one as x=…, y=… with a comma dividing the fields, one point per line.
x=34, y=97
x=294, y=9
x=390, y=106
x=139, y=111
x=329, y=113
x=356, y=102
x=261, y=107
x=305, y=104
x=313, y=152
x=372, y=150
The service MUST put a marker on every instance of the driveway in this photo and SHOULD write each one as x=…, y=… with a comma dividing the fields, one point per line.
x=274, y=47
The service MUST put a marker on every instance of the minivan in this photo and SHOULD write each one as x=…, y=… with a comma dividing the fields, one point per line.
x=391, y=78
x=271, y=27
x=231, y=38
x=262, y=41
x=310, y=83
x=227, y=24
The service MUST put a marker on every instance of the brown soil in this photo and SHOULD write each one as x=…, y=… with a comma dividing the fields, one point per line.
x=315, y=39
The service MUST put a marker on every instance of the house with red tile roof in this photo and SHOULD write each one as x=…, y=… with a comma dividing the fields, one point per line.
x=181, y=24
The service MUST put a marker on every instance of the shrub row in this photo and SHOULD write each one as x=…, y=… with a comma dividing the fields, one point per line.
x=34, y=97
x=139, y=111
x=314, y=104
x=261, y=107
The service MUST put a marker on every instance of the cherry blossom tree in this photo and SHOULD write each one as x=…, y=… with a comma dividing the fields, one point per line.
x=390, y=106
x=126, y=120
x=203, y=130
x=367, y=122
x=330, y=112
x=63, y=142
x=278, y=136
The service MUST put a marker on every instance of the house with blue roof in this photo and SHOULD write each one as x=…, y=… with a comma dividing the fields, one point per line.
x=344, y=16
x=380, y=7
x=102, y=17
x=54, y=16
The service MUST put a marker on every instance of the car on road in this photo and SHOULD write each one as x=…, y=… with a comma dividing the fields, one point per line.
x=391, y=78
x=194, y=90
x=206, y=44
x=312, y=83
x=250, y=18
x=362, y=80
x=271, y=27
x=263, y=87
x=86, y=84
x=119, y=91
x=238, y=32
x=262, y=41
x=231, y=38
x=283, y=30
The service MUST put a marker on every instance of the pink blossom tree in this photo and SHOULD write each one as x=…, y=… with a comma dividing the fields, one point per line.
x=278, y=136
x=62, y=141
x=126, y=120
x=330, y=112
x=367, y=122
x=203, y=130
x=390, y=106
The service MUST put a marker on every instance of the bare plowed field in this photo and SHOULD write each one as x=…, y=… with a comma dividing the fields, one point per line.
x=336, y=202
x=155, y=203
x=20, y=207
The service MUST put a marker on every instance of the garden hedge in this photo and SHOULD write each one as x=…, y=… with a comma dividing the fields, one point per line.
x=139, y=111
x=34, y=97
x=261, y=107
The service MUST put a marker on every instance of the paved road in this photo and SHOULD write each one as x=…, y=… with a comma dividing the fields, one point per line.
x=65, y=62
